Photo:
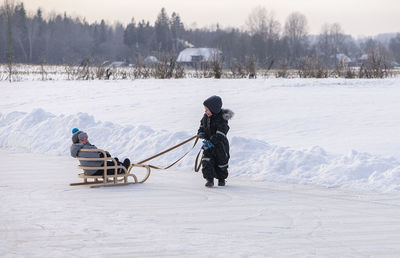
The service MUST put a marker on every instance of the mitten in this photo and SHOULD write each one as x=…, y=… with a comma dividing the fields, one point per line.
x=207, y=145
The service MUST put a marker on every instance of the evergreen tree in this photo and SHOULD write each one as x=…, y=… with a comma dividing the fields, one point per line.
x=3, y=34
x=394, y=46
x=20, y=33
x=36, y=31
x=163, y=33
x=130, y=37
x=145, y=35
x=177, y=30
x=10, y=43
x=60, y=39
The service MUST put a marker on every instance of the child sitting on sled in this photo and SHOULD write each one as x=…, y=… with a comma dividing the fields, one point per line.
x=80, y=141
x=213, y=129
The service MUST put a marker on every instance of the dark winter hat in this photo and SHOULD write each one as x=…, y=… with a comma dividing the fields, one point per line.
x=75, y=130
x=214, y=104
x=82, y=135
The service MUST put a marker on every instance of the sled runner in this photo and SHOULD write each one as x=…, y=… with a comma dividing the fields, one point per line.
x=124, y=177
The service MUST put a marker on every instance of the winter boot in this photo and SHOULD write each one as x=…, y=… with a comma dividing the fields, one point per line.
x=221, y=182
x=126, y=163
x=210, y=182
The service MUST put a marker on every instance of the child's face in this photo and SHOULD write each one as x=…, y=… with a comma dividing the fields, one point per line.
x=85, y=141
x=207, y=111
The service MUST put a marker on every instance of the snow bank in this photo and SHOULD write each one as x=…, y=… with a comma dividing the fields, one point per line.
x=43, y=132
x=262, y=161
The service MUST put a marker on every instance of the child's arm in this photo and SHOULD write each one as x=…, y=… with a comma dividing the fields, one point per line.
x=222, y=130
x=203, y=123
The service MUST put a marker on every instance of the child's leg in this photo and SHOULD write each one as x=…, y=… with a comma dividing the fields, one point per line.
x=221, y=172
x=100, y=172
x=111, y=171
x=208, y=165
x=222, y=159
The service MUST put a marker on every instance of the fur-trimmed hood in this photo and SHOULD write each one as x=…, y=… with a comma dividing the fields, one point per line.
x=227, y=114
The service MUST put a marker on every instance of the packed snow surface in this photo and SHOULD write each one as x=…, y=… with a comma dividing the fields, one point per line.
x=331, y=132
x=314, y=169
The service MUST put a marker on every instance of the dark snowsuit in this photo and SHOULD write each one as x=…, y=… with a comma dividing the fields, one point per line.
x=215, y=161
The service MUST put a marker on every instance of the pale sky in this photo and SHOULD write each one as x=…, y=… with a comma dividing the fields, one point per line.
x=357, y=17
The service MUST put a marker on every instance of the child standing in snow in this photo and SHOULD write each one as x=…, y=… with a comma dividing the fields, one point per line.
x=80, y=141
x=213, y=129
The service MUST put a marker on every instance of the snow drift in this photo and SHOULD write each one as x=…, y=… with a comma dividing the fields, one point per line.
x=42, y=132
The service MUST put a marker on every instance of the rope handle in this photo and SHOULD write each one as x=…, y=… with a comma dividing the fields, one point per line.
x=198, y=165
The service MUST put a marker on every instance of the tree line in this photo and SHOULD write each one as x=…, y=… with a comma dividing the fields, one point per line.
x=62, y=39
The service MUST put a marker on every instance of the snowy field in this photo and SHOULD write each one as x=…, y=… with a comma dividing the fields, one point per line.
x=314, y=170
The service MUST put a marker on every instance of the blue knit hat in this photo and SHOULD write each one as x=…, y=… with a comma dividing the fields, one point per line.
x=75, y=133
x=214, y=104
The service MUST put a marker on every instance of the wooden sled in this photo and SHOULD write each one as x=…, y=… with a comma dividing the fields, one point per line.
x=115, y=179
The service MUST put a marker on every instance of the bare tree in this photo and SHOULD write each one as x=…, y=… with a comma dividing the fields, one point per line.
x=342, y=69
x=100, y=71
x=238, y=70
x=141, y=71
x=84, y=69
x=262, y=22
x=338, y=38
x=42, y=70
x=295, y=33
x=331, y=43
x=284, y=71
x=378, y=63
x=251, y=68
x=165, y=68
x=265, y=31
x=71, y=71
x=312, y=67
x=216, y=64
x=179, y=71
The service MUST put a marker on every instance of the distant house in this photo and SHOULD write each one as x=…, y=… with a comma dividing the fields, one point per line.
x=150, y=60
x=363, y=58
x=366, y=58
x=197, y=57
x=118, y=64
x=342, y=58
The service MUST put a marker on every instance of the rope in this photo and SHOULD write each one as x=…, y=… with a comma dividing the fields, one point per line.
x=197, y=167
x=170, y=149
